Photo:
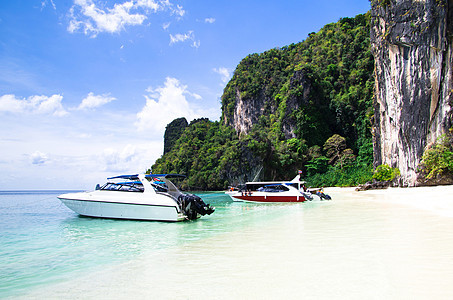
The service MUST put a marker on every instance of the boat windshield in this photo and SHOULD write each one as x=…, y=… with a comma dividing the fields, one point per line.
x=124, y=187
x=159, y=187
x=275, y=188
x=294, y=185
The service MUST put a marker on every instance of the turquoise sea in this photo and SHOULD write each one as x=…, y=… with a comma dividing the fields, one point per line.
x=357, y=246
x=42, y=242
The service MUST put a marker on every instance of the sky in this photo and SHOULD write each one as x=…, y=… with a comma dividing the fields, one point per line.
x=88, y=86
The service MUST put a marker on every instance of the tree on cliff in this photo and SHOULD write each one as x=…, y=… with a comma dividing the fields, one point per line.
x=336, y=151
x=437, y=162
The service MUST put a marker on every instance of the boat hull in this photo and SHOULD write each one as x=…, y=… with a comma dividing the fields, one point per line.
x=118, y=210
x=267, y=198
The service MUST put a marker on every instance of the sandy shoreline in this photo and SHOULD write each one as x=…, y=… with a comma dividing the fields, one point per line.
x=434, y=199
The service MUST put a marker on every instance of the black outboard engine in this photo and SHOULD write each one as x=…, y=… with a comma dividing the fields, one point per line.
x=193, y=205
x=323, y=196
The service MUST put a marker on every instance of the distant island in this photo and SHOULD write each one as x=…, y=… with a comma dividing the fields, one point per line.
x=331, y=107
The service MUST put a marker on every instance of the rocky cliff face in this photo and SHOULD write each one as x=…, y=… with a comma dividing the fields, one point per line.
x=248, y=110
x=412, y=42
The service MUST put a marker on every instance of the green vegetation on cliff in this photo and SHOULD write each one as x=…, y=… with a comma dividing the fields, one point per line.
x=209, y=153
x=437, y=160
x=173, y=132
x=311, y=109
x=329, y=77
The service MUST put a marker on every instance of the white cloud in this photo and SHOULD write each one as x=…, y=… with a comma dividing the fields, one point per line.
x=118, y=160
x=44, y=3
x=209, y=20
x=93, y=101
x=179, y=11
x=83, y=135
x=38, y=158
x=92, y=18
x=165, y=26
x=164, y=104
x=129, y=158
x=224, y=73
x=179, y=37
x=196, y=96
x=34, y=104
x=149, y=4
x=189, y=36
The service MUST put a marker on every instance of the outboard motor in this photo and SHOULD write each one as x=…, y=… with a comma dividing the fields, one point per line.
x=323, y=196
x=308, y=196
x=193, y=205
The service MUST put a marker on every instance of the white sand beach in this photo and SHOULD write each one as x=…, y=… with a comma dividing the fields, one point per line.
x=381, y=244
x=436, y=199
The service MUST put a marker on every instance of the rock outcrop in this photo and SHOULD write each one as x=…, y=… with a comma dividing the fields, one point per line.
x=412, y=42
x=173, y=131
x=373, y=185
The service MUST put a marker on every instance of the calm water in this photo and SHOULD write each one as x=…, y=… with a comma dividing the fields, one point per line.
x=42, y=242
x=354, y=247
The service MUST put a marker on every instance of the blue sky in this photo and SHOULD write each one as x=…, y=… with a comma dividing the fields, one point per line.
x=88, y=86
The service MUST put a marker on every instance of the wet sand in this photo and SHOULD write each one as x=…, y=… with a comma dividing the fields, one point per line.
x=380, y=244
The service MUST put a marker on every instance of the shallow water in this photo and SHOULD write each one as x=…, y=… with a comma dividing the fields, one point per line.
x=357, y=246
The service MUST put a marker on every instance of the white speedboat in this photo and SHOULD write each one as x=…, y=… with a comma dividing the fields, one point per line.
x=138, y=197
x=274, y=191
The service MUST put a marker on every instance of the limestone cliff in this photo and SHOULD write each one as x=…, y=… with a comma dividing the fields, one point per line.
x=412, y=42
x=246, y=112
x=248, y=109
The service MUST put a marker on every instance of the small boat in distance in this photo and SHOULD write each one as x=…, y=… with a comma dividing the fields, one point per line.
x=275, y=192
x=151, y=197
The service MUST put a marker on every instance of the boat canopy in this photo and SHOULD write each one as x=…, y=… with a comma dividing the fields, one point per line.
x=135, y=176
x=166, y=175
x=127, y=177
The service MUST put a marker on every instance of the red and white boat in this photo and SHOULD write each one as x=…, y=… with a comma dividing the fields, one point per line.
x=271, y=191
